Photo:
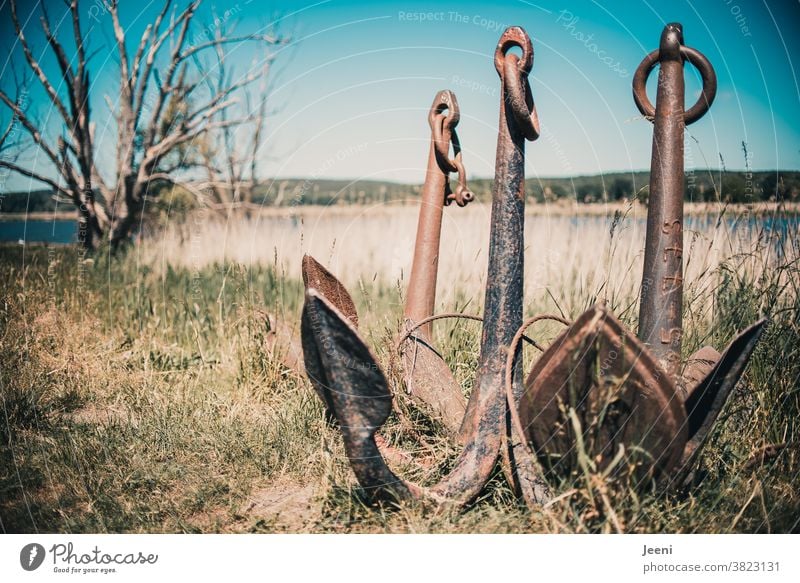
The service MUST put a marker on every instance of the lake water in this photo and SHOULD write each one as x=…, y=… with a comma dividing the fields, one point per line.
x=66, y=231
x=48, y=231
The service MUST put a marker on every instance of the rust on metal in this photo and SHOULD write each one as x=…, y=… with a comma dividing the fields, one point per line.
x=443, y=118
x=316, y=276
x=595, y=388
x=709, y=395
x=349, y=380
x=518, y=122
x=427, y=377
x=698, y=365
x=708, y=377
x=519, y=458
x=660, y=312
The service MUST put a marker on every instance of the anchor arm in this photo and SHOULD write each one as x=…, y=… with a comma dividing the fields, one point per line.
x=347, y=376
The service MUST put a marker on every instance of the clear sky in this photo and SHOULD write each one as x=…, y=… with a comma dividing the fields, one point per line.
x=352, y=89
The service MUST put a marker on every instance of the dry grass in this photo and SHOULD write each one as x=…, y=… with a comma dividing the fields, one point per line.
x=137, y=396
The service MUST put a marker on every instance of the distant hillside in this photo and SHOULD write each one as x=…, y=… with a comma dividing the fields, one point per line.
x=701, y=186
x=35, y=201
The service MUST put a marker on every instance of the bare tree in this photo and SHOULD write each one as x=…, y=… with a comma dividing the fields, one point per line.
x=10, y=140
x=165, y=105
x=229, y=158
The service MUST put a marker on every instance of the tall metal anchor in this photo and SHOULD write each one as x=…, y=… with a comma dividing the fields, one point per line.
x=428, y=378
x=624, y=390
x=660, y=313
x=342, y=368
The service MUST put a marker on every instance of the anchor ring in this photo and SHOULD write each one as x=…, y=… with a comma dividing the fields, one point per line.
x=514, y=73
x=700, y=62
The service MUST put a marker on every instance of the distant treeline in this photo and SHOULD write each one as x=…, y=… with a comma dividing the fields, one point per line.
x=701, y=186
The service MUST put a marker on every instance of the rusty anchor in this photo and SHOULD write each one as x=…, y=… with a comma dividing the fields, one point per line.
x=598, y=386
x=708, y=377
x=598, y=393
x=428, y=378
x=343, y=370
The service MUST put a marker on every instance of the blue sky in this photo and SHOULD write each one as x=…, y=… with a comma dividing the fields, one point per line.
x=352, y=89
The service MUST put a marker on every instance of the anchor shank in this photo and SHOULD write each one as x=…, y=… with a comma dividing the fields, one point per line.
x=660, y=319
x=421, y=298
x=503, y=300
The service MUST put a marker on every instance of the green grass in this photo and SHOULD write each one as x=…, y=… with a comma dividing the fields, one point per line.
x=137, y=399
